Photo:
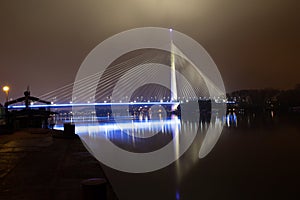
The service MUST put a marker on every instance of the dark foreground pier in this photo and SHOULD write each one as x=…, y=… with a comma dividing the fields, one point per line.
x=35, y=165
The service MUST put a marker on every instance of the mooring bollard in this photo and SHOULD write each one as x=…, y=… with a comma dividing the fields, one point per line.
x=69, y=129
x=94, y=188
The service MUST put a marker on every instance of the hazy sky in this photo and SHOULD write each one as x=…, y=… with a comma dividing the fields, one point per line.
x=255, y=43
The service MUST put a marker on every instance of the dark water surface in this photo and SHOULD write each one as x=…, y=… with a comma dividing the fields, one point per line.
x=256, y=157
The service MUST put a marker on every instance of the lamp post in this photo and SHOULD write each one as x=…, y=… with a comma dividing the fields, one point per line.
x=6, y=90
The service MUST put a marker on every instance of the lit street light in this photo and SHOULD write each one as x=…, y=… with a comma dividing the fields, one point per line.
x=6, y=90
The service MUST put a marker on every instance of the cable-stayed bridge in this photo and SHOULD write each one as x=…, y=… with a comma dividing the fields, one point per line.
x=139, y=73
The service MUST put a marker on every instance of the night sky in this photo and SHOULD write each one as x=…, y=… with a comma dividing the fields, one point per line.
x=255, y=44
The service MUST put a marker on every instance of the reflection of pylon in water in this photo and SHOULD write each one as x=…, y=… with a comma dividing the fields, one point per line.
x=173, y=73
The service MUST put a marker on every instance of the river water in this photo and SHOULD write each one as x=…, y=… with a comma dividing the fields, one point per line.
x=257, y=156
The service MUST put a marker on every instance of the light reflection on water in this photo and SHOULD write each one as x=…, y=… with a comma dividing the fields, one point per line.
x=142, y=136
x=231, y=119
x=137, y=135
x=148, y=135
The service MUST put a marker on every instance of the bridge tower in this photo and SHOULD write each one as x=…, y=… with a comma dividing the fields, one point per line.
x=173, y=72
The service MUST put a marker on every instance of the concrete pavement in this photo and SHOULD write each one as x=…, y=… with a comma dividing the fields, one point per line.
x=34, y=165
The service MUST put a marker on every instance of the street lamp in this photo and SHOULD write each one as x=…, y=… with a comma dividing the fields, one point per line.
x=6, y=90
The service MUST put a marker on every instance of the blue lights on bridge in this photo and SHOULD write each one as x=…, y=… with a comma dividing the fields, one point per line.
x=68, y=105
x=90, y=104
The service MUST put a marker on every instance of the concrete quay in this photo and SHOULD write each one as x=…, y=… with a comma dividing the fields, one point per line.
x=36, y=165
